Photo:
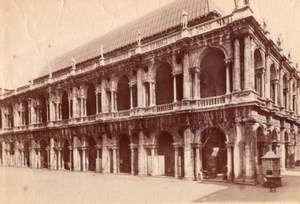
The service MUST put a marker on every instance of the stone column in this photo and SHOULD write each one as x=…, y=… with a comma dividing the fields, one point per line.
x=176, y=160
x=153, y=163
x=267, y=77
x=281, y=73
x=188, y=163
x=249, y=153
x=139, y=85
x=112, y=100
x=39, y=158
x=238, y=153
x=83, y=149
x=282, y=155
x=198, y=162
x=229, y=146
x=186, y=77
x=276, y=93
x=174, y=89
x=22, y=158
x=197, y=84
x=298, y=100
x=263, y=83
x=141, y=154
x=115, y=165
x=133, y=147
x=71, y=158
x=59, y=160
x=98, y=159
x=228, y=77
x=131, y=98
x=97, y=102
x=237, y=64
x=247, y=63
x=290, y=95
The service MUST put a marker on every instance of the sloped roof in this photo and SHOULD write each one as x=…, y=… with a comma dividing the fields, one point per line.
x=153, y=23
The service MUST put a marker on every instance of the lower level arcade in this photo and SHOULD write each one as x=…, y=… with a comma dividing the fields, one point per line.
x=191, y=146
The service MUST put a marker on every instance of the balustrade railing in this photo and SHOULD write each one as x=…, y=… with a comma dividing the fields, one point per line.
x=212, y=101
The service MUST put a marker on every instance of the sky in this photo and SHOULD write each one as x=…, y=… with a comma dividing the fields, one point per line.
x=33, y=32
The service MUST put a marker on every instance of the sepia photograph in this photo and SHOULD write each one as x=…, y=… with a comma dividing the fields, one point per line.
x=149, y=101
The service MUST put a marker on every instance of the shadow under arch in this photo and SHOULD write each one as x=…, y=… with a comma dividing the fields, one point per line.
x=214, y=151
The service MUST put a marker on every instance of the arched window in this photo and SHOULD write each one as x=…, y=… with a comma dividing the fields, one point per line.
x=65, y=106
x=123, y=94
x=164, y=84
x=258, y=66
x=273, y=83
x=91, y=100
x=213, y=74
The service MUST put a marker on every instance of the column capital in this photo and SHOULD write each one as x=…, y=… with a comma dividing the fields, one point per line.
x=133, y=146
x=229, y=144
x=177, y=145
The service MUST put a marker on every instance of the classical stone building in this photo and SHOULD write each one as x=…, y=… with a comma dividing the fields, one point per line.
x=183, y=90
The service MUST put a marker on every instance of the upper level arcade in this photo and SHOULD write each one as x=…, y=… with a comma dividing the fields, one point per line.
x=202, y=61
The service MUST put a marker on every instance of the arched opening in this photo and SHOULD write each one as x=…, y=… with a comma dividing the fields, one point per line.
x=123, y=94
x=294, y=97
x=91, y=154
x=43, y=110
x=66, y=155
x=285, y=91
x=44, y=154
x=214, y=152
x=9, y=117
x=273, y=83
x=258, y=68
x=65, y=106
x=91, y=100
x=26, y=154
x=125, y=155
x=213, y=74
x=11, y=153
x=287, y=150
x=261, y=144
x=25, y=113
x=164, y=84
x=165, y=153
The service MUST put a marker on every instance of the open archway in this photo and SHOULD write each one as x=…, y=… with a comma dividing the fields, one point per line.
x=25, y=113
x=43, y=154
x=124, y=155
x=164, y=84
x=66, y=155
x=123, y=94
x=91, y=100
x=213, y=73
x=27, y=154
x=214, y=152
x=165, y=153
x=261, y=144
x=91, y=154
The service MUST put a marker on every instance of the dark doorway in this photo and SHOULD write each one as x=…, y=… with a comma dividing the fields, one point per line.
x=125, y=155
x=27, y=154
x=214, y=151
x=166, y=149
x=44, y=154
x=91, y=154
x=66, y=155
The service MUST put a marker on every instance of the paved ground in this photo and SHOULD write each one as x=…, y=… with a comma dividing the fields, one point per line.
x=18, y=185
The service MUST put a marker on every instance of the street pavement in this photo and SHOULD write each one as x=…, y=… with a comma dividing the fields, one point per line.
x=20, y=185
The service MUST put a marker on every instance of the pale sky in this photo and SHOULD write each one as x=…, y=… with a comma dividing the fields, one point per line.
x=34, y=32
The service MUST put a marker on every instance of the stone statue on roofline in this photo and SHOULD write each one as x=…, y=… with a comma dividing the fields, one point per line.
x=241, y=3
x=289, y=57
x=279, y=41
x=73, y=63
x=139, y=38
x=101, y=52
x=184, y=19
x=265, y=27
